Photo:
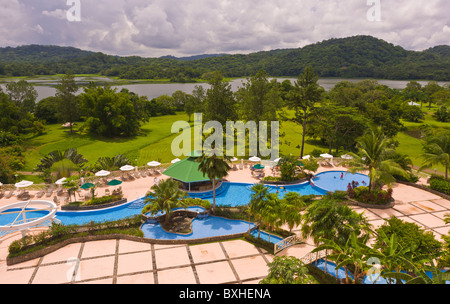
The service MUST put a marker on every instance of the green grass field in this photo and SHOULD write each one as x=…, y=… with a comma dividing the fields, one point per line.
x=155, y=140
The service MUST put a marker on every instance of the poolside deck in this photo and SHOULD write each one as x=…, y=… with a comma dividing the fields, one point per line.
x=121, y=261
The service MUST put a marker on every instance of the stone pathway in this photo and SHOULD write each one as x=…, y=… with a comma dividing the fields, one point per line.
x=127, y=262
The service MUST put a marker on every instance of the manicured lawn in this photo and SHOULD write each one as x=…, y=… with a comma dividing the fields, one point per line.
x=156, y=132
x=155, y=142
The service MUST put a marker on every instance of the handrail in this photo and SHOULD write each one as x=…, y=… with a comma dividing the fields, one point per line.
x=287, y=242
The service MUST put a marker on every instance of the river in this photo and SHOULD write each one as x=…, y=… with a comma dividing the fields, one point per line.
x=153, y=90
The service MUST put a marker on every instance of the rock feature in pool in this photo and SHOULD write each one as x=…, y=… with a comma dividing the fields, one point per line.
x=180, y=221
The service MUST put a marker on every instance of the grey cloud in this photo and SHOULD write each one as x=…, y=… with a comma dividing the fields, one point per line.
x=158, y=27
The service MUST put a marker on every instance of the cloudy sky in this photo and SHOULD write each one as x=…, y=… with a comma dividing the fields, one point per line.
x=153, y=28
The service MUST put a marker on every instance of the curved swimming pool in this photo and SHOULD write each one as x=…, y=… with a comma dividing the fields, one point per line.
x=331, y=181
x=232, y=194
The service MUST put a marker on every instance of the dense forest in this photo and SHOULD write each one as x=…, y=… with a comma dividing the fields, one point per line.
x=353, y=57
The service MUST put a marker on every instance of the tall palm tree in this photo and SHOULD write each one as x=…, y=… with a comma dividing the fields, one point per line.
x=215, y=167
x=258, y=200
x=437, y=151
x=353, y=253
x=166, y=196
x=291, y=205
x=330, y=220
x=375, y=156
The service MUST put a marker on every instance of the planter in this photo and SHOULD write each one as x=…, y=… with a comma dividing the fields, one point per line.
x=300, y=181
x=93, y=207
x=372, y=206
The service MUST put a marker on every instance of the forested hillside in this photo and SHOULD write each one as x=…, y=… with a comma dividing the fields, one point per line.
x=353, y=57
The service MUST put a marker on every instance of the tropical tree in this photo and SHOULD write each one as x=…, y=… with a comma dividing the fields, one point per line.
x=61, y=157
x=436, y=151
x=375, y=156
x=326, y=219
x=165, y=196
x=287, y=270
x=112, y=163
x=258, y=198
x=305, y=94
x=215, y=167
x=352, y=255
x=291, y=205
x=69, y=105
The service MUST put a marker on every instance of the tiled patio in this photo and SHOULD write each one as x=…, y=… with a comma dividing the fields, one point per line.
x=237, y=261
x=125, y=262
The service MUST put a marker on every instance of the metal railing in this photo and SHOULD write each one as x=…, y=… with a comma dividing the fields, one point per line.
x=287, y=242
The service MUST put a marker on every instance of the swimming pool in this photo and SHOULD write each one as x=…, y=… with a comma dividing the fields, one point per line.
x=239, y=194
x=332, y=181
x=201, y=228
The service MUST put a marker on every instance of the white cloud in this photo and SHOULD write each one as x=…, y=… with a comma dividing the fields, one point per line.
x=161, y=27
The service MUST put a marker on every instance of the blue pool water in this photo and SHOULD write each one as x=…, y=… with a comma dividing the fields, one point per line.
x=229, y=194
x=238, y=194
x=6, y=219
x=192, y=208
x=374, y=279
x=265, y=236
x=331, y=180
x=201, y=228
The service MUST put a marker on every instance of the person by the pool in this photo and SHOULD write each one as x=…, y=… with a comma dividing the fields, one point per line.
x=342, y=175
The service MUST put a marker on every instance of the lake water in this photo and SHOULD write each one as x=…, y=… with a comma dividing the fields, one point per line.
x=154, y=90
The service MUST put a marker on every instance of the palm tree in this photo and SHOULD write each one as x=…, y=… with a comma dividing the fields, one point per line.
x=326, y=219
x=215, y=167
x=112, y=163
x=330, y=220
x=354, y=253
x=61, y=156
x=166, y=196
x=291, y=205
x=258, y=199
x=437, y=151
x=375, y=156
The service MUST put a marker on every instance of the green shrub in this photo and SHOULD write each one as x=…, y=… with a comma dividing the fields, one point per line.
x=375, y=196
x=103, y=200
x=440, y=185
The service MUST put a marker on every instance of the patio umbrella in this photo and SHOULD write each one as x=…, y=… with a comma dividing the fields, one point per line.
x=346, y=156
x=154, y=164
x=87, y=186
x=126, y=168
x=23, y=184
x=234, y=159
x=276, y=160
x=175, y=160
x=258, y=166
x=61, y=181
x=254, y=159
x=326, y=155
x=114, y=182
x=102, y=173
x=306, y=157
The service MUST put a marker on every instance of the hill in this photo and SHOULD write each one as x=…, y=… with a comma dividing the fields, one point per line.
x=353, y=57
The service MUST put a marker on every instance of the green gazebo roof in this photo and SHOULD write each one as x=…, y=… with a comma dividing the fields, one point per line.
x=186, y=171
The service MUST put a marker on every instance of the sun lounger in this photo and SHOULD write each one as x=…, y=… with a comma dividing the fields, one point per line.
x=56, y=200
x=40, y=193
x=10, y=194
x=49, y=192
x=2, y=194
x=143, y=174
x=107, y=192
